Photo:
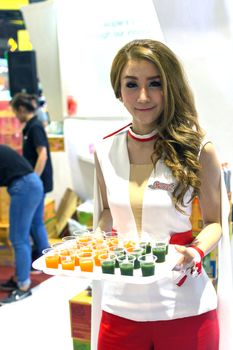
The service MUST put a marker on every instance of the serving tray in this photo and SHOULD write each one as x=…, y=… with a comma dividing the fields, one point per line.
x=162, y=270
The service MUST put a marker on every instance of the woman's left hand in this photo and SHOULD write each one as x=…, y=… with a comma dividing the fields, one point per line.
x=187, y=259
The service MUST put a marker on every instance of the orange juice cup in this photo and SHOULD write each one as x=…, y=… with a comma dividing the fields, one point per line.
x=97, y=253
x=86, y=261
x=85, y=238
x=111, y=238
x=76, y=257
x=51, y=258
x=97, y=241
x=68, y=262
x=86, y=248
x=129, y=244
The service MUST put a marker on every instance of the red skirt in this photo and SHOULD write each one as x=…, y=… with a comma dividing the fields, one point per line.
x=189, y=333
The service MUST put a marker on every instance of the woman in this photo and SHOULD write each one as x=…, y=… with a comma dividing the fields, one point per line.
x=148, y=173
x=36, y=150
x=26, y=192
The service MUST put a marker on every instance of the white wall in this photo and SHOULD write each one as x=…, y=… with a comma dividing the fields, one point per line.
x=200, y=32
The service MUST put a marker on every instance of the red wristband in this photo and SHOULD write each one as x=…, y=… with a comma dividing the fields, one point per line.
x=198, y=250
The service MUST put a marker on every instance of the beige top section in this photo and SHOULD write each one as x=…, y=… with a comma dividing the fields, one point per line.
x=139, y=175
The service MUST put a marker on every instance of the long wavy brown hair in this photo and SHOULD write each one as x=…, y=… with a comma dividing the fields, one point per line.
x=180, y=138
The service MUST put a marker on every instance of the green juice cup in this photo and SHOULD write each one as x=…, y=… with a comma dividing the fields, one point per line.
x=107, y=262
x=137, y=252
x=126, y=264
x=118, y=252
x=159, y=249
x=147, y=263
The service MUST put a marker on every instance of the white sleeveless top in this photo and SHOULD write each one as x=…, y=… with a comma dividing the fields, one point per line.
x=162, y=300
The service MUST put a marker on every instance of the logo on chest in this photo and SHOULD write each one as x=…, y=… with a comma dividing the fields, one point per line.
x=157, y=185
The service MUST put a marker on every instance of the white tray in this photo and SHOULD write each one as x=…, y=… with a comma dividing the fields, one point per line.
x=162, y=270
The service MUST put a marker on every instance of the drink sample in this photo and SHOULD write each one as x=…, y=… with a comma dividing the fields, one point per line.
x=86, y=261
x=126, y=264
x=137, y=252
x=51, y=258
x=159, y=249
x=147, y=263
x=107, y=262
x=67, y=262
x=118, y=252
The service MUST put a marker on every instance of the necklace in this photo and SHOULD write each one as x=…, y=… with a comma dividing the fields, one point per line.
x=143, y=138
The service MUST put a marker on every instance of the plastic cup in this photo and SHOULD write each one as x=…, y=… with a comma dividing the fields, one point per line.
x=86, y=261
x=98, y=252
x=126, y=264
x=68, y=238
x=147, y=264
x=146, y=246
x=68, y=262
x=137, y=252
x=159, y=249
x=79, y=232
x=85, y=238
x=129, y=245
x=98, y=237
x=118, y=251
x=111, y=238
x=76, y=256
x=107, y=262
x=51, y=258
x=86, y=248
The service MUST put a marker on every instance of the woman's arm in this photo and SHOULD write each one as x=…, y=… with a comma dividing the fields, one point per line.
x=210, y=199
x=210, y=177
x=41, y=160
x=105, y=221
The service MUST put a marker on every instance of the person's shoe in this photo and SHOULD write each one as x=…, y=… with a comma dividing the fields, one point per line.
x=16, y=295
x=9, y=285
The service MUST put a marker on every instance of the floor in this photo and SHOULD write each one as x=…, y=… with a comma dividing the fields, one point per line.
x=41, y=321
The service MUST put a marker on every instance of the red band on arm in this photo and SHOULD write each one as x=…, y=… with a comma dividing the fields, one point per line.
x=198, y=250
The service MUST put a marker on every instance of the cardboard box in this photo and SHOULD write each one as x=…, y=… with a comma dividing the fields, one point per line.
x=80, y=316
x=49, y=209
x=4, y=205
x=56, y=143
x=4, y=235
x=80, y=344
x=51, y=227
x=66, y=209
